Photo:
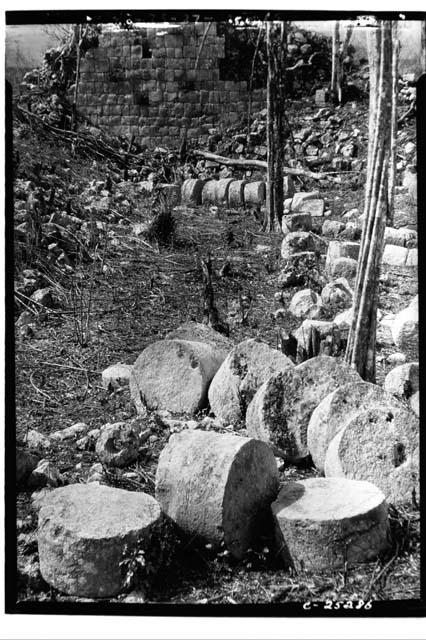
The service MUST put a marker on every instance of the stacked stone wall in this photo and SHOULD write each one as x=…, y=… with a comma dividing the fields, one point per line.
x=155, y=82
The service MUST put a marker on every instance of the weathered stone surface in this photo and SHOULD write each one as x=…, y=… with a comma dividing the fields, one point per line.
x=26, y=462
x=337, y=295
x=412, y=258
x=44, y=475
x=344, y=320
x=282, y=406
x=118, y=444
x=236, y=193
x=217, y=486
x=37, y=440
x=117, y=375
x=351, y=216
x=403, y=381
x=328, y=335
x=198, y=332
x=394, y=256
x=401, y=237
x=378, y=445
x=315, y=207
x=332, y=228
x=216, y=191
x=83, y=532
x=74, y=431
x=296, y=222
x=208, y=194
x=296, y=242
x=323, y=523
x=300, y=198
x=406, y=217
x=405, y=331
x=352, y=231
x=174, y=375
x=397, y=358
x=338, y=250
x=306, y=304
x=254, y=193
x=191, y=191
x=222, y=190
x=344, y=268
x=246, y=367
x=96, y=473
x=320, y=244
x=414, y=304
x=337, y=409
x=415, y=403
x=298, y=269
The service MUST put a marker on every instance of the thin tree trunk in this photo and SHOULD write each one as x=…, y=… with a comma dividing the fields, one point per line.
x=423, y=45
x=335, y=62
x=342, y=53
x=78, y=37
x=275, y=44
x=394, y=124
x=361, y=348
x=250, y=91
x=270, y=106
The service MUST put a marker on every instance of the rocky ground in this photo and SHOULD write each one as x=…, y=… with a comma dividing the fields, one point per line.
x=110, y=290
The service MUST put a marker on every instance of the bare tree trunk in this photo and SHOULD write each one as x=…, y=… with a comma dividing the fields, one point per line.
x=78, y=38
x=423, y=41
x=361, y=348
x=394, y=124
x=250, y=91
x=335, y=62
x=275, y=44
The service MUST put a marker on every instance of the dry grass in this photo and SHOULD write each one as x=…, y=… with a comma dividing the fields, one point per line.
x=134, y=292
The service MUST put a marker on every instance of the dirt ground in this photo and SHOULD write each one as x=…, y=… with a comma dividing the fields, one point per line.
x=133, y=292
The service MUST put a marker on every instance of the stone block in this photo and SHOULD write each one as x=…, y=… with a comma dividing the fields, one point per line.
x=324, y=523
x=412, y=258
x=394, y=255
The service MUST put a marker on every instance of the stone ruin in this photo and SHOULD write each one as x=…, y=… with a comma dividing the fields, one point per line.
x=156, y=82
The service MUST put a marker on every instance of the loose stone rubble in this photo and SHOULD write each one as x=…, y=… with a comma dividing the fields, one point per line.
x=336, y=250
x=306, y=304
x=296, y=242
x=117, y=375
x=118, y=444
x=327, y=333
x=405, y=331
x=337, y=295
x=403, y=381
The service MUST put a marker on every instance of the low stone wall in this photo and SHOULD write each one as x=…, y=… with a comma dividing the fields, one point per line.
x=155, y=82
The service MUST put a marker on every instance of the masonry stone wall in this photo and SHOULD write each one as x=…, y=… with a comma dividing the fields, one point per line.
x=155, y=82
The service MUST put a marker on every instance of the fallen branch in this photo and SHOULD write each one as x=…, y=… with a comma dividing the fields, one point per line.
x=407, y=113
x=247, y=162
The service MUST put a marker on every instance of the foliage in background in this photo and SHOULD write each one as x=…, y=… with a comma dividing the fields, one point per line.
x=240, y=46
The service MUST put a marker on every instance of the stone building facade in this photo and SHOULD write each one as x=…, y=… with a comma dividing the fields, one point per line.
x=156, y=82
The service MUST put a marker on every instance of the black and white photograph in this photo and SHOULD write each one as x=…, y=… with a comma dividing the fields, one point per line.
x=212, y=312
